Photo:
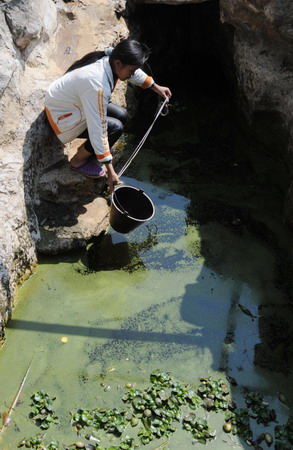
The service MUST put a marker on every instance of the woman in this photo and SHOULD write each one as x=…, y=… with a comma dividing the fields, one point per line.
x=78, y=104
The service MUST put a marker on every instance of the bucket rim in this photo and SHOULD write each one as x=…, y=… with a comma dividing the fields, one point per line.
x=124, y=212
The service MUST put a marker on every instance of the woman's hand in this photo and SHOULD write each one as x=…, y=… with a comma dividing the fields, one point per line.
x=162, y=90
x=113, y=178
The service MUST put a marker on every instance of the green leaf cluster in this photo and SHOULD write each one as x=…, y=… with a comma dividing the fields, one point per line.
x=214, y=394
x=159, y=406
x=38, y=443
x=284, y=436
x=259, y=409
x=42, y=410
x=126, y=444
x=200, y=429
x=240, y=421
x=158, y=409
x=110, y=420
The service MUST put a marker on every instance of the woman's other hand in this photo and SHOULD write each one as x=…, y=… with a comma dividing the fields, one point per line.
x=162, y=90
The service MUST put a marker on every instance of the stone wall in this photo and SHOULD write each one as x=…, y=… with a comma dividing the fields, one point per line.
x=24, y=25
x=38, y=41
x=263, y=57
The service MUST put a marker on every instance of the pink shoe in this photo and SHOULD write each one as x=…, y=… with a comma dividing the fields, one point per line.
x=90, y=169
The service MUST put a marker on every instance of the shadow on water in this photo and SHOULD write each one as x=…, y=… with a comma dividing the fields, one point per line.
x=95, y=332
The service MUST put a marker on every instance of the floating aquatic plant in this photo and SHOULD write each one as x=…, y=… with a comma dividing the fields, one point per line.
x=214, y=394
x=240, y=423
x=158, y=407
x=200, y=429
x=157, y=411
x=110, y=420
x=38, y=443
x=42, y=410
x=125, y=444
x=284, y=436
x=259, y=409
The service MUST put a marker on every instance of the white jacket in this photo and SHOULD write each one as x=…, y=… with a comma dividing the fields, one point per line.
x=79, y=100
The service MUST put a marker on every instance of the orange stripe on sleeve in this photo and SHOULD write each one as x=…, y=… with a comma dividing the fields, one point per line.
x=99, y=157
x=51, y=121
x=147, y=82
x=104, y=123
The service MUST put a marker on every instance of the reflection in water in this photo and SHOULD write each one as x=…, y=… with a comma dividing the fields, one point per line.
x=104, y=254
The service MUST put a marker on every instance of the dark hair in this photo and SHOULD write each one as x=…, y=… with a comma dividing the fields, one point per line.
x=130, y=52
x=87, y=59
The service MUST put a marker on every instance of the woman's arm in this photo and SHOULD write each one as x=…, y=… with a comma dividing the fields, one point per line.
x=112, y=177
x=140, y=78
x=161, y=90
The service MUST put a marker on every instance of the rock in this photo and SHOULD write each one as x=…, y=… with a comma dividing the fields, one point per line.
x=269, y=19
x=70, y=227
x=64, y=185
x=30, y=21
x=263, y=58
x=8, y=60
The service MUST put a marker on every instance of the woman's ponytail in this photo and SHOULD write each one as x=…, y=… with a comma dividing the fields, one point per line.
x=87, y=59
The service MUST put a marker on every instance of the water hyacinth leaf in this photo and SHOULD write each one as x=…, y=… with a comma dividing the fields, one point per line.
x=163, y=395
x=120, y=428
x=138, y=402
x=128, y=415
x=134, y=422
x=202, y=389
x=189, y=417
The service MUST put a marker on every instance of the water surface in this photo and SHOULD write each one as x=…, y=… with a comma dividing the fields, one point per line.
x=164, y=296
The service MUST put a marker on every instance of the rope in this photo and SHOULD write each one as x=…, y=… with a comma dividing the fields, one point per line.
x=135, y=152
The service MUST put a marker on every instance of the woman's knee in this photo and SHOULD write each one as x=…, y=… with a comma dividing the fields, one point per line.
x=115, y=126
x=117, y=112
x=123, y=115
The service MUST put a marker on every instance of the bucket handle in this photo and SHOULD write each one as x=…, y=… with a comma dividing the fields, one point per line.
x=123, y=210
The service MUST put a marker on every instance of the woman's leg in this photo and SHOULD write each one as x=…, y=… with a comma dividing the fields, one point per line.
x=116, y=118
x=80, y=157
x=118, y=112
x=83, y=162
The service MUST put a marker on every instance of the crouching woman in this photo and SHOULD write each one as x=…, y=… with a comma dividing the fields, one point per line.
x=78, y=104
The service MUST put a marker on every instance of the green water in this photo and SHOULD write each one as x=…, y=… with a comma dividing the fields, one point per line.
x=164, y=296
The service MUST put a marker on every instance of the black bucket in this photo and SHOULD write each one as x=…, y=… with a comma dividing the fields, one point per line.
x=130, y=208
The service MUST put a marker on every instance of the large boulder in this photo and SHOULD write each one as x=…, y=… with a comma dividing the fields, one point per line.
x=31, y=22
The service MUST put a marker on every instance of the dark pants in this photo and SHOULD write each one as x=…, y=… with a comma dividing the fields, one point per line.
x=116, y=118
